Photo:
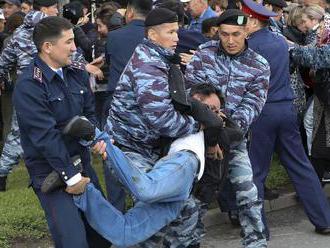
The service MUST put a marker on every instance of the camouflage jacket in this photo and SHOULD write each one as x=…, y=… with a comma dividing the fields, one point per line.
x=20, y=49
x=242, y=79
x=141, y=111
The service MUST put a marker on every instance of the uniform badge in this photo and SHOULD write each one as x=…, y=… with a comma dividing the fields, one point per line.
x=77, y=65
x=240, y=20
x=37, y=74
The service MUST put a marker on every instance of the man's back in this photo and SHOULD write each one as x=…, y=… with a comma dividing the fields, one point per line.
x=121, y=44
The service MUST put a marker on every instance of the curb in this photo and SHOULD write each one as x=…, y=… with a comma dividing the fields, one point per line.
x=215, y=217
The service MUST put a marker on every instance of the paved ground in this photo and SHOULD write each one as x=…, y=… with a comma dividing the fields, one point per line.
x=289, y=229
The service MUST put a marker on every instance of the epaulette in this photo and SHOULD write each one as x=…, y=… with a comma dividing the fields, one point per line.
x=77, y=65
x=211, y=43
x=37, y=74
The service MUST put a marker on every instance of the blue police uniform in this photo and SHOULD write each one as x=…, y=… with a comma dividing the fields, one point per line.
x=45, y=101
x=277, y=129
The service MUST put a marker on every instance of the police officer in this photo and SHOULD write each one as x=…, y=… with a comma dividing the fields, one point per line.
x=242, y=76
x=49, y=93
x=277, y=127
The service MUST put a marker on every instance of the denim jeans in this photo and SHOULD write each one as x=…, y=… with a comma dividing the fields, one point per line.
x=160, y=193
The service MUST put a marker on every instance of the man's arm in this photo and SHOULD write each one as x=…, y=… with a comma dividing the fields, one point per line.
x=8, y=59
x=312, y=57
x=36, y=120
x=253, y=100
x=155, y=103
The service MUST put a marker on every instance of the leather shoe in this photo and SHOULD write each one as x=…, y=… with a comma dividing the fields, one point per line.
x=322, y=230
x=80, y=127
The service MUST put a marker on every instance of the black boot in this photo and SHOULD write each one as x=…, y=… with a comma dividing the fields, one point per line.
x=54, y=181
x=80, y=127
x=3, y=181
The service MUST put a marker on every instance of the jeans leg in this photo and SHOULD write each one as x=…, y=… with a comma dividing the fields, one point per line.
x=12, y=149
x=137, y=225
x=241, y=178
x=170, y=179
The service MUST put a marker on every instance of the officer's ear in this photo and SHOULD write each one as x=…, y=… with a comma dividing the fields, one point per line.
x=152, y=34
x=47, y=47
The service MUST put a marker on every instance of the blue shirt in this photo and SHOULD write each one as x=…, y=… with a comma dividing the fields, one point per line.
x=274, y=49
x=196, y=24
x=45, y=103
x=120, y=46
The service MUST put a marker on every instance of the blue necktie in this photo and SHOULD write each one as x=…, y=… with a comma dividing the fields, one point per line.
x=60, y=73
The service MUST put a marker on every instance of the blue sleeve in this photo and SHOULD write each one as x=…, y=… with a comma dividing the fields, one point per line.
x=38, y=124
x=313, y=57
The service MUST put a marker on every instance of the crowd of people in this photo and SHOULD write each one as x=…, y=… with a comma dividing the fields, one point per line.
x=186, y=101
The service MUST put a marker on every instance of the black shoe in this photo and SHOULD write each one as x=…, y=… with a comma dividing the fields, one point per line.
x=270, y=194
x=3, y=181
x=326, y=177
x=234, y=218
x=323, y=231
x=80, y=127
x=54, y=181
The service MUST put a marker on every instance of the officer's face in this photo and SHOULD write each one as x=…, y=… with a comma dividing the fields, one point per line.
x=165, y=35
x=26, y=8
x=232, y=38
x=59, y=52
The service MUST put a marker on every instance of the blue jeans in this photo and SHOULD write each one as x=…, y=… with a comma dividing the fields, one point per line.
x=161, y=193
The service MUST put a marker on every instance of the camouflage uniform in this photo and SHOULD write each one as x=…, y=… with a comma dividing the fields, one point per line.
x=243, y=80
x=141, y=113
x=17, y=54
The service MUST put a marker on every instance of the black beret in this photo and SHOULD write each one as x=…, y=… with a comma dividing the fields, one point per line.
x=232, y=17
x=159, y=16
x=278, y=3
x=73, y=11
x=45, y=3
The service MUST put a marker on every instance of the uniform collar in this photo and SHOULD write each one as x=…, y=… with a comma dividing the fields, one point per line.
x=46, y=70
x=136, y=22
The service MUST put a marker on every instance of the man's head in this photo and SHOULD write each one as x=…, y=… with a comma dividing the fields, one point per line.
x=2, y=21
x=54, y=39
x=48, y=7
x=175, y=6
x=197, y=7
x=209, y=95
x=10, y=7
x=108, y=19
x=26, y=6
x=276, y=6
x=162, y=27
x=258, y=15
x=137, y=9
x=210, y=28
x=232, y=32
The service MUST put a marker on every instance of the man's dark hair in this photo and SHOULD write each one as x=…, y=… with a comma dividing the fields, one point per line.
x=207, y=24
x=175, y=6
x=109, y=16
x=206, y=89
x=142, y=7
x=49, y=29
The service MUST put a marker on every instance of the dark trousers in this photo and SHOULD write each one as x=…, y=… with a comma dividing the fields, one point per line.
x=321, y=165
x=102, y=106
x=66, y=223
x=277, y=130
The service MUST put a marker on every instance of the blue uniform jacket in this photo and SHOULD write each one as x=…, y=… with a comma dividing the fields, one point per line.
x=44, y=103
x=121, y=44
x=274, y=49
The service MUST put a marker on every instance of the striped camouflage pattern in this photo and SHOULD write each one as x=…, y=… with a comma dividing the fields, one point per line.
x=141, y=110
x=243, y=80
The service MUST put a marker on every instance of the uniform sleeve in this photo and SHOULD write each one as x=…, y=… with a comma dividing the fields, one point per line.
x=8, y=58
x=253, y=100
x=155, y=103
x=36, y=121
x=313, y=57
x=194, y=71
x=89, y=100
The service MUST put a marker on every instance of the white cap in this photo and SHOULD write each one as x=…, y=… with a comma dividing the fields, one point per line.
x=2, y=17
x=185, y=1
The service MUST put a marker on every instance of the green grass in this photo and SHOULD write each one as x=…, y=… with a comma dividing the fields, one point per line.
x=21, y=217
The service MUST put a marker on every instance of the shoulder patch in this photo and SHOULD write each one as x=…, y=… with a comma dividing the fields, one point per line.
x=37, y=74
x=77, y=65
x=208, y=44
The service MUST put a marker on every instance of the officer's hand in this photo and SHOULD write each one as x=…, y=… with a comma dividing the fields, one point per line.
x=95, y=71
x=214, y=152
x=186, y=57
x=99, y=148
x=79, y=187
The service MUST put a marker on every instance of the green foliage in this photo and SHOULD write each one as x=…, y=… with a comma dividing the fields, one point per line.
x=277, y=177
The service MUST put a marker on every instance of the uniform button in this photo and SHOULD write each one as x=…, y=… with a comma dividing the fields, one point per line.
x=81, y=92
x=174, y=91
x=65, y=178
x=59, y=99
x=63, y=173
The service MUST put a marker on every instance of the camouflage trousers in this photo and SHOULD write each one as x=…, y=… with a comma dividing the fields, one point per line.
x=12, y=149
x=240, y=176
